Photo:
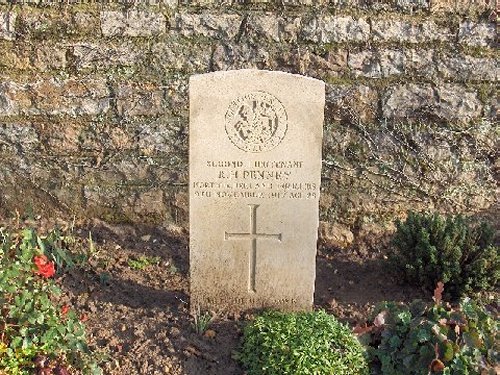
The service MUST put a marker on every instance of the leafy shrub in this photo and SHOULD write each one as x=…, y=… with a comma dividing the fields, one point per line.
x=37, y=333
x=301, y=343
x=420, y=338
x=429, y=248
x=142, y=262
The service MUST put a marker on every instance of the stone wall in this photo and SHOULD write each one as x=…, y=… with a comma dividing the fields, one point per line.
x=94, y=105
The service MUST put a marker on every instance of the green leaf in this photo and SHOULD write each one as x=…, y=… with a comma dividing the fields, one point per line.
x=472, y=339
x=41, y=245
x=40, y=318
x=448, y=352
x=423, y=335
x=16, y=342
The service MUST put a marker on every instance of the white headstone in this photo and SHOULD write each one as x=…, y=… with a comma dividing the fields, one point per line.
x=255, y=173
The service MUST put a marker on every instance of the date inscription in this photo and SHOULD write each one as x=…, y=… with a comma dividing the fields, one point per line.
x=237, y=179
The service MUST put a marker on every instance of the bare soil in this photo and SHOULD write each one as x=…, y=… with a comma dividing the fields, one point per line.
x=140, y=317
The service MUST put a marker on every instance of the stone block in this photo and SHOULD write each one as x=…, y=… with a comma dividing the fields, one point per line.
x=350, y=103
x=393, y=62
x=73, y=97
x=303, y=2
x=8, y=105
x=336, y=29
x=462, y=6
x=175, y=56
x=477, y=34
x=62, y=137
x=18, y=59
x=176, y=96
x=390, y=62
x=46, y=57
x=290, y=28
x=225, y=26
x=265, y=26
x=162, y=136
x=240, y=56
x=420, y=61
x=457, y=102
x=19, y=137
x=87, y=55
x=271, y=27
x=83, y=23
x=411, y=6
x=466, y=68
x=364, y=63
x=34, y=56
x=446, y=101
x=404, y=31
x=46, y=24
x=332, y=63
x=132, y=23
x=139, y=99
x=149, y=203
x=493, y=111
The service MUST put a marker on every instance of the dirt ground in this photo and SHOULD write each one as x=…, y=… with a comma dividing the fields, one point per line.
x=140, y=317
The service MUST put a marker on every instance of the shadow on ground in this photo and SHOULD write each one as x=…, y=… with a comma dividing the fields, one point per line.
x=142, y=316
x=349, y=285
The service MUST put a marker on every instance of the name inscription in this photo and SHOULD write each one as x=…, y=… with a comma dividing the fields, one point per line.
x=254, y=179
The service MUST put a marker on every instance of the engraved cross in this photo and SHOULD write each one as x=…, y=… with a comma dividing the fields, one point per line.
x=253, y=236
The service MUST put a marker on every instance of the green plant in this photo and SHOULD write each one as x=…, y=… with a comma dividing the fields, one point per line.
x=301, y=343
x=202, y=321
x=142, y=262
x=104, y=278
x=35, y=331
x=92, y=248
x=429, y=248
x=53, y=245
x=172, y=269
x=422, y=338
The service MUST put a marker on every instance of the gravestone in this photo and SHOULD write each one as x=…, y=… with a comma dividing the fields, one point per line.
x=255, y=167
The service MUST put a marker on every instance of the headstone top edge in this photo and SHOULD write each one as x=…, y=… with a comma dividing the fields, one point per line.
x=246, y=72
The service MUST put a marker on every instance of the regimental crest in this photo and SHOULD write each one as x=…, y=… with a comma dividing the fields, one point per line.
x=256, y=122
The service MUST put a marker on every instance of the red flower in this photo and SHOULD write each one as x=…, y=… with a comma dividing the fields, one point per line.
x=84, y=318
x=44, y=267
x=40, y=260
x=64, y=309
